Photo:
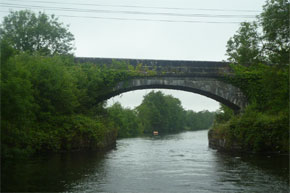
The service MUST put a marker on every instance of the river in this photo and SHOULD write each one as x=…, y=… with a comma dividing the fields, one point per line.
x=172, y=163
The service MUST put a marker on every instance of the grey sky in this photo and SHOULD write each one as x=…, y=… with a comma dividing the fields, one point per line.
x=151, y=39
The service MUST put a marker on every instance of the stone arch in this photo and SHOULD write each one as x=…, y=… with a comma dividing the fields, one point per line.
x=215, y=89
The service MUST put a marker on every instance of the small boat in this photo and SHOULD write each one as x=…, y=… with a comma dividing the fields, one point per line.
x=155, y=132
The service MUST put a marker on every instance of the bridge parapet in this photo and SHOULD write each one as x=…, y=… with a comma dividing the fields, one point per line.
x=168, y=67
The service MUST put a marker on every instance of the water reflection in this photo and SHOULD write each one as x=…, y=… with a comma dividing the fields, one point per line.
x=251, y=173
x=171, y=163
x=50, y=173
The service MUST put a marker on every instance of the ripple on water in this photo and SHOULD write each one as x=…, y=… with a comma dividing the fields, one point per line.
x=176, y=163
x=182, y=163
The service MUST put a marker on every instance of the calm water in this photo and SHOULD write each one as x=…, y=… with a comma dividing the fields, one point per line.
x=173, y=163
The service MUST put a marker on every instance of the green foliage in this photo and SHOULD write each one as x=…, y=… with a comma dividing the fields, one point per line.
x=264, y=124
x=41, y=99
x=256, y=131
x=25, y=31
x=266, y=86
x=249, y=47
x=157, y=112
x=199, y=120
x=160, y=112
x=53, y=104
x=49, y=103
x=125, y=120
x=54, y=85
x=243, y=48
x=6, y=51
x=275, y=23
x=17, y=100
x=224, y=114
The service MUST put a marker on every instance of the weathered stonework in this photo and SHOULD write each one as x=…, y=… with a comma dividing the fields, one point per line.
x=204, y=78
x=210, y=87
x=220, y=143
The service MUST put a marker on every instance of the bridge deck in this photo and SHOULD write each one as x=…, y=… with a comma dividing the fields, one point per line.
x=208, y=69
x=149, y=62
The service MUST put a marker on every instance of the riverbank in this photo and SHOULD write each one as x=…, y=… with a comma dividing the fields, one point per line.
x=235, y=141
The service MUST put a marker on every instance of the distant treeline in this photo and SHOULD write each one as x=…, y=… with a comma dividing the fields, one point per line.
x=158, y=112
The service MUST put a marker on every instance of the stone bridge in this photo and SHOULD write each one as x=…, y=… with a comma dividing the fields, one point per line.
x=201, y=77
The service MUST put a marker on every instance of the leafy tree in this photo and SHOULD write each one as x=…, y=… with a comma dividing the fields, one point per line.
x=271, y=45
x=244, y=47
x=199, y=120
x=224, y=114
x=175, y=114
x=28, y=32
x=17, y=100
x=160, y=112
x=6, y=51
x=126, y=120
x=55, y=87
x=275, y=22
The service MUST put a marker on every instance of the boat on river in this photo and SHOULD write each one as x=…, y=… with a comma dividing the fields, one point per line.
x=155, y=132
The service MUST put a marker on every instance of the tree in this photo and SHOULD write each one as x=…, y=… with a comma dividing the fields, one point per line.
x=243, y=48
x=199, y=120
x=161, y=112
x=248, y=46
x=151, y=112
x=125, y=120
x=223, y=114
x=275, y=22
x=25, y=31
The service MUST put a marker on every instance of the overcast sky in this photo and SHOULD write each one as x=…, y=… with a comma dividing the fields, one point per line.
x=149, y=29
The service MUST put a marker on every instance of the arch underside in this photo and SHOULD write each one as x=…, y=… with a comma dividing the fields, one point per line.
x=193, y=90
x=211, y=88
